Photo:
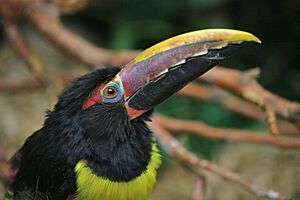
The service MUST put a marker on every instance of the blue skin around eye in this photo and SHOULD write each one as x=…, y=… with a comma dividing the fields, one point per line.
x=115, y=99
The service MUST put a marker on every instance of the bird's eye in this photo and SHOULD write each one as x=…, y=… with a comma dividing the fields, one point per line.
x=110, y=92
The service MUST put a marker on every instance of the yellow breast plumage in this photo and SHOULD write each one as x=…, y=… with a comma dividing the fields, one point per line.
x=93, y=187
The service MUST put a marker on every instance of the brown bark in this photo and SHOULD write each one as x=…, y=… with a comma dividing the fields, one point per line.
x=213, y=94
x=244, y=85
x=200, y=129
x=175, y=149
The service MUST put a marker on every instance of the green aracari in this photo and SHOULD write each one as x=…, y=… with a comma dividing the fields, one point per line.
x=95, y=144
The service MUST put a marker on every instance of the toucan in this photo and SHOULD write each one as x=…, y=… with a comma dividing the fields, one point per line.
x=95, y=144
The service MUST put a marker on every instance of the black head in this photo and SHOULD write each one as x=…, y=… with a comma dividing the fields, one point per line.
x=101, y=132
x=79, y=102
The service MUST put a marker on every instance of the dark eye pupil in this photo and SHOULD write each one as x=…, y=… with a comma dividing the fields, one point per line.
x=110, y=91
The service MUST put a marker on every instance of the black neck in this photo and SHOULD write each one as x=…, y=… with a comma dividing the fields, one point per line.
x=118, y=150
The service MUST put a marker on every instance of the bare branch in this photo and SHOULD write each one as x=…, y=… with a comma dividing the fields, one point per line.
x=15, y=84
x=45, y=19
x=214, y=94
x=272, y=121
x=217, y=95
x=198, y=192
x=22, y=48
x=244, y=85
x=200, y=129
x=71, y=6
x=175, y=149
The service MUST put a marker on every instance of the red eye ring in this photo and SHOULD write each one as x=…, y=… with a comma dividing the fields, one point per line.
x=110, y=91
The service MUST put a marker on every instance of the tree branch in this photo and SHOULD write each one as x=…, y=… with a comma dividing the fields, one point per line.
x=198, y=192
x=175, y=149
x=243, y=84
x=45, y=19
x=22, y=48
x=20, y=84
x=200, y=129
x=71, y=6
x=217, y=95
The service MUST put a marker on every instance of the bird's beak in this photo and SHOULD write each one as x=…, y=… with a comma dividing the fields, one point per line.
x=163, y=69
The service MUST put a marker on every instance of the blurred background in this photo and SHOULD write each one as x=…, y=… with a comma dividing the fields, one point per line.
x=137, y=24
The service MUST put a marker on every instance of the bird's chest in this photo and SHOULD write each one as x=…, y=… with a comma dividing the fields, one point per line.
x=93, y=187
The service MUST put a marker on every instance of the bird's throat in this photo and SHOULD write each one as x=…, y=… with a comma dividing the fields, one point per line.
x=90, y=186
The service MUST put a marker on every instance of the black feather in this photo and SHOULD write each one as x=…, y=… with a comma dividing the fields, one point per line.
x=113, y=146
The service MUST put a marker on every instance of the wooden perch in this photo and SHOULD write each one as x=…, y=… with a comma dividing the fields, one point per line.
x=175, y=149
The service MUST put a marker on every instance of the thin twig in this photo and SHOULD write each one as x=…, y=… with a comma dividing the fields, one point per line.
x=20, y=84
x=45, y=19
x=71, y=6
x=200, y=129
x=217, y=95
x=175, y=149
x=22, y=48
x=244, y=85
x=198, y=192
x=272, y=121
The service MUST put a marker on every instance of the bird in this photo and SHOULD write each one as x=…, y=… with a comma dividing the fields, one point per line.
x=95, y=143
